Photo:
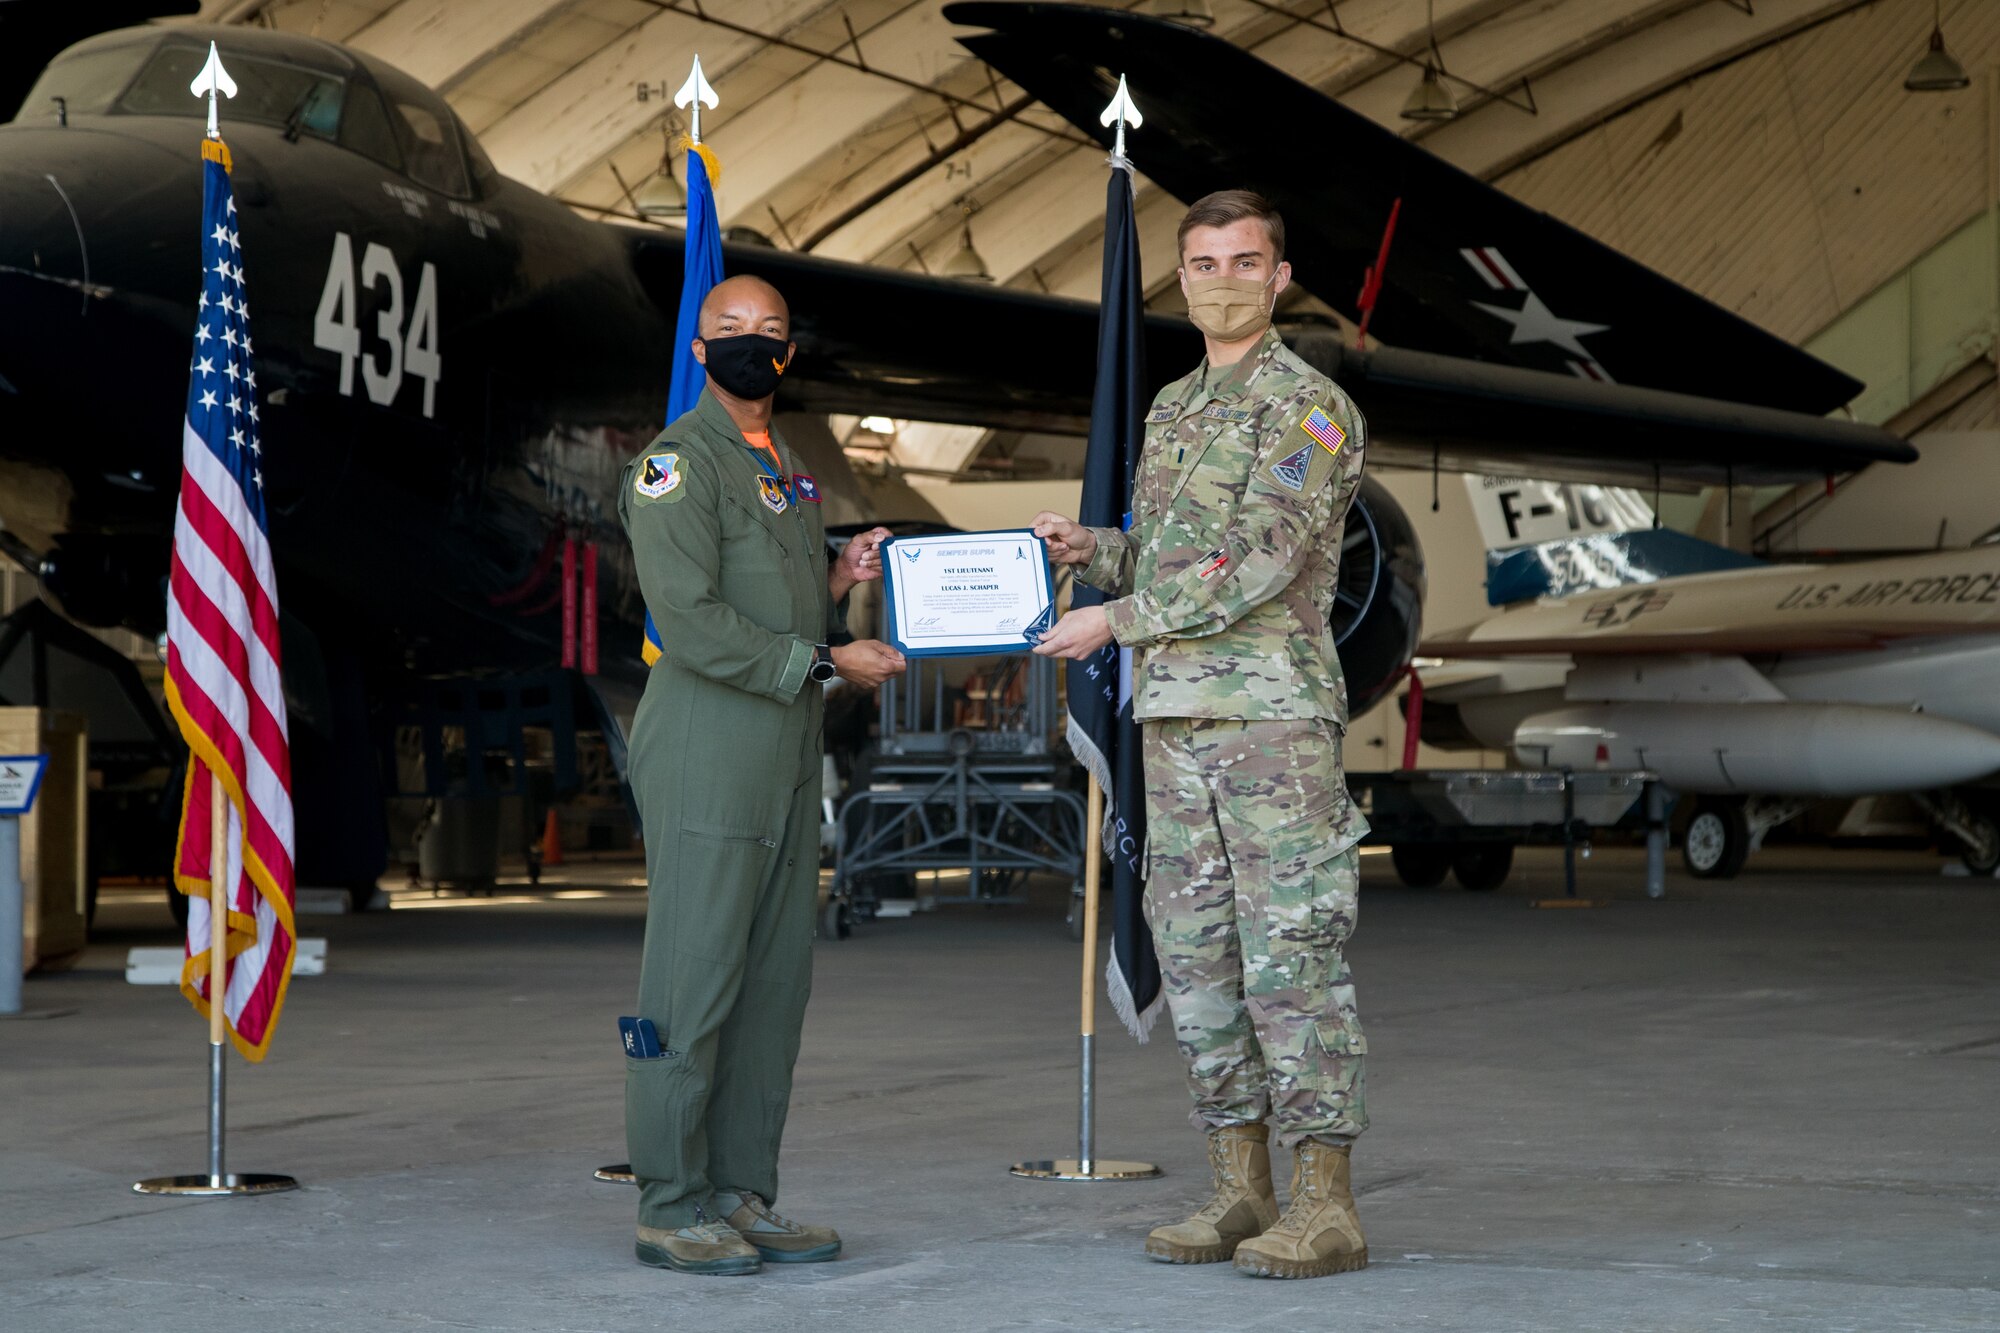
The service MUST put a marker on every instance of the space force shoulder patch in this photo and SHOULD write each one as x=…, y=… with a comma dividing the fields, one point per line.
x=658, y=477
x=1307, y=455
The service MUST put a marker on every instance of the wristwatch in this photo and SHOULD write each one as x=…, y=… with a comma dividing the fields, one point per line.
x=822, y=668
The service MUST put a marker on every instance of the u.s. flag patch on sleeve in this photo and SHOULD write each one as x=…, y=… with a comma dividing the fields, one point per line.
x=1323, y=429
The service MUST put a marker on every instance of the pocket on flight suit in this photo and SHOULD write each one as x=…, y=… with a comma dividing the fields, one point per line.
x=722, y=869
x=659, y=1106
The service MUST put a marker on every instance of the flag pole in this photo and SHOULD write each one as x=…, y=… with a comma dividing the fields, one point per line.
x=1085, y=1165
x=218, y=971
x=211, y=80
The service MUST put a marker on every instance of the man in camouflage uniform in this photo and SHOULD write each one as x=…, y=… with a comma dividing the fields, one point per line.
x=1223, y=587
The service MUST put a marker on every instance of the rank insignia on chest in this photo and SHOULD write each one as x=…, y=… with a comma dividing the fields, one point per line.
x=659, y=475
x=805, y=488
x=1322, y=428
x=1290, y=472
x=1217, y=412
x=1159, y=414
x=772, y=494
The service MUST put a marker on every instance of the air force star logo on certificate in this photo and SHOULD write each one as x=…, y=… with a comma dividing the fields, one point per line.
x=658, y=477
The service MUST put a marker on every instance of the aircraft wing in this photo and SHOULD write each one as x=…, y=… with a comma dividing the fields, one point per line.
x=1770, y=609
x=1472, y=273
x=933, y=349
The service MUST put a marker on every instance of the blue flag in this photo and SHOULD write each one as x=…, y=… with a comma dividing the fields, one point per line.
x=1102, y=732
x=701, y=262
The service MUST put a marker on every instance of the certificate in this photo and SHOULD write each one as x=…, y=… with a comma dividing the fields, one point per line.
x=966, y=593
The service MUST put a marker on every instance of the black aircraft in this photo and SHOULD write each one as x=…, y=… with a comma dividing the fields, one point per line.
x=455, y=367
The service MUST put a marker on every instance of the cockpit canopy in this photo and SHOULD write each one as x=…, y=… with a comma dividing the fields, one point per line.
x=303, y=86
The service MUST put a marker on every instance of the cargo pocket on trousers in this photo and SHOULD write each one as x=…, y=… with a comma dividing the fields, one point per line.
x=1342, y=1067
x=720, y=870
x=659, y=1097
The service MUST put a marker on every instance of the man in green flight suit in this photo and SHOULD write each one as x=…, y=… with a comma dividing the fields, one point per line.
x=1222, y=591
x=725, y=763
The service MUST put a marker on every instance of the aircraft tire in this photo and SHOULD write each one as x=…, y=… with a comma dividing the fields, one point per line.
x=1421, y=865
x=836, y=922
x=1717, y=841
x=1984, y=857
x=1483, y=866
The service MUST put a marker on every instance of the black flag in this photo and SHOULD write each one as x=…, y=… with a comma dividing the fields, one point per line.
x=1101, y=729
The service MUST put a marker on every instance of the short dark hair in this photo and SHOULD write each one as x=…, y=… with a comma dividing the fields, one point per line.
x=1227, y=206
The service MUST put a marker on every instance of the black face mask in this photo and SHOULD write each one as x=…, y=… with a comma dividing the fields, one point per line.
x=747, y=365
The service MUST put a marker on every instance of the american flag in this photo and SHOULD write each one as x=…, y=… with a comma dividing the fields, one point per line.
x=223, y=681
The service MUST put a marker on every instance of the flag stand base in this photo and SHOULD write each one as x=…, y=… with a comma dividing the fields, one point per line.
x=216, y=1186
x=1069, y=1168
x=620, y=1174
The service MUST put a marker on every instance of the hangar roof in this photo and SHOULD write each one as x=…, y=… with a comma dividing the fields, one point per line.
x=861, y=130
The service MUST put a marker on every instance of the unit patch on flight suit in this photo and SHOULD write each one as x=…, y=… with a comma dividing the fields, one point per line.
x=658, y=478
x=772, y=494
x=806, y=488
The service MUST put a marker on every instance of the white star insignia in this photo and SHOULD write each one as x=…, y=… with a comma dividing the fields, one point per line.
x=222, y=268
x=229, y=335
x=207, y=398
x=236, y=438
x=1534, y=322
x=257, y=477
x=253, y=409
x=201, y=303
x=206, y=367
x=250, y=378
x=221, y=234
x=229, y=207
x=235, y=404
x=201, y=333
x=256, y=446
x=234, y=244
x=229, y=369
x=228, y=304
x=246, y=344
x=243, y=309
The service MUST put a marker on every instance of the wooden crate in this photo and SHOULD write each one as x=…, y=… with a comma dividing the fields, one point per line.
x=54, y=838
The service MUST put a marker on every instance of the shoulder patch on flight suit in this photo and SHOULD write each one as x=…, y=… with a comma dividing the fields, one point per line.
x=1307, y=453
x=658, y=479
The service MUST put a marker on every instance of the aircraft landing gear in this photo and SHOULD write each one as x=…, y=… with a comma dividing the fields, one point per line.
x=1974, y=831
x=1717, y=841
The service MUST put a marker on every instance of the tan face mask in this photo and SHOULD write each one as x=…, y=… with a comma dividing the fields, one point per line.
x=1230, y=309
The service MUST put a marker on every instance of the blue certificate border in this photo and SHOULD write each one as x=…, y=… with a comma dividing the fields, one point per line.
x=41, y=763
x=1015, y=642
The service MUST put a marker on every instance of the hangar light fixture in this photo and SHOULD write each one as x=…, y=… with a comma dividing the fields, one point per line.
x=661, y=196
x=1937, y=72
x=1189, y=13
x=968, y=264
x=1430, y=100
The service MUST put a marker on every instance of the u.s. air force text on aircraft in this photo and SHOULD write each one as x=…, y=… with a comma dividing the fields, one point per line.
x=1964, y=589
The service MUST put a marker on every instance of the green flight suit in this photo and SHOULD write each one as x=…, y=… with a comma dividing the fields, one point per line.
x=725, y=763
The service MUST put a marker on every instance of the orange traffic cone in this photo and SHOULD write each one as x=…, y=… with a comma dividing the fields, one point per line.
x=551, y=840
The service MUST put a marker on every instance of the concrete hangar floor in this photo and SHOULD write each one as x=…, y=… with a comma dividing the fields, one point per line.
x=1763, y=1104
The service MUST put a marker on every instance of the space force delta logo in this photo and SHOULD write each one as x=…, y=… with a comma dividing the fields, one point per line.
x=659, y=474
x=1290, y=472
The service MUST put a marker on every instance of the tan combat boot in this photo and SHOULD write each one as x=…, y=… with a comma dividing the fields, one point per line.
x=706, y=1247
x=1319, y=1233
x=1242, y=1206
x=778, y=1239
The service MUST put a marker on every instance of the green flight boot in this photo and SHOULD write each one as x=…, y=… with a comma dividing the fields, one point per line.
x=1242, y=1206
x=709, y=1248
x=778, y=1239
x=1319, y=1234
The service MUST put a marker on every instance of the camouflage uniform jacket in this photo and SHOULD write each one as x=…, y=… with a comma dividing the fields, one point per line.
x=1224, y=582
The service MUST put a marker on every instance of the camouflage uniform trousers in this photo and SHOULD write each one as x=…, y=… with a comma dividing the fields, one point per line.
x=1252, y=890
